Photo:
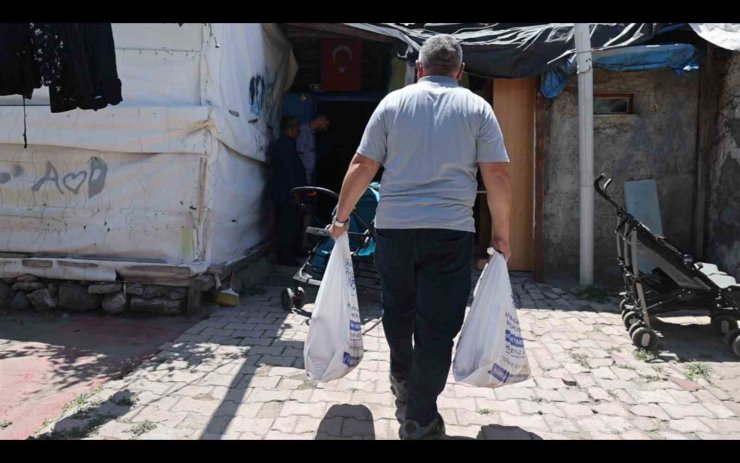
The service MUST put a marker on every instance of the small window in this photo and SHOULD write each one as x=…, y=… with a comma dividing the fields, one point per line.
x=612, y=103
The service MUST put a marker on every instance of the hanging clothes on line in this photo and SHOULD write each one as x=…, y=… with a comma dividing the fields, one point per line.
x=77, y=61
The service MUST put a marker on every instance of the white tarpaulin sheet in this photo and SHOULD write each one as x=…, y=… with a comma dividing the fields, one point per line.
x=147, y=129
x=246, y=78
x=239, y=205
x=175, y=174
x=92, y=269
x=725, y=35
x=156, y=77
x=85, y=203
x=237, y=77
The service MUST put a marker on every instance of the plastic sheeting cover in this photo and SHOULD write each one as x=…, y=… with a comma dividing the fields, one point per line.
x=679, y=57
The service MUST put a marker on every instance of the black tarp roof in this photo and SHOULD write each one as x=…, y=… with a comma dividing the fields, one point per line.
x=513, y=50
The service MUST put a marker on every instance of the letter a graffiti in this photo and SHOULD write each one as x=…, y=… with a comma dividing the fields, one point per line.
x=50, y=169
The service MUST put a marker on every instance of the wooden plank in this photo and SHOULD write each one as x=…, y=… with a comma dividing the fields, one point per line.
x=539, y=189
x=159, y=281
x=194, y=300
x=37, y=263
x=162, y=271
x=71, y=263
x=13, y=255
x=514, y=103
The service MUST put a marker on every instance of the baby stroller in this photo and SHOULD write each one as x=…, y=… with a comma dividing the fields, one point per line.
x=361, y=238
x=676, y=283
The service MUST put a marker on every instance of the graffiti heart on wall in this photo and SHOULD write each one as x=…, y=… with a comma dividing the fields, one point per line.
x=72, y=182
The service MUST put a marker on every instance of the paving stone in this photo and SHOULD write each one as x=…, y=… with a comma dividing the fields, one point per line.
x=649, y=411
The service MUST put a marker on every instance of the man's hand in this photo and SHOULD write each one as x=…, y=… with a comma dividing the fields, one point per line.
x=502, y=246
x=337, y=230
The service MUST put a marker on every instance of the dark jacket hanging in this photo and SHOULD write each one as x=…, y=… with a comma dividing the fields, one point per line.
x=89, y=79
x=77, y=61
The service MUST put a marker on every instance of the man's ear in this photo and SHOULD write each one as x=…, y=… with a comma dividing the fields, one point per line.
x=419, y=70
x=460, y=72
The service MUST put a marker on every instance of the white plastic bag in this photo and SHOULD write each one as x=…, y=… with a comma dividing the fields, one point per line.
x=490, y=352
x=333, y=347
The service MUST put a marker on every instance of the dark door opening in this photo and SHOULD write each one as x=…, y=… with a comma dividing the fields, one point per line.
x=338, y=145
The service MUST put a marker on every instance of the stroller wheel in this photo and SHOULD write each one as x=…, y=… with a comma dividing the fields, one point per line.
x=286, y=299
x=299, y=299
x=635, y=325
x=629, y=318
x=625, y=305
x=723, y=324
x=644, y=338
x=733, y=339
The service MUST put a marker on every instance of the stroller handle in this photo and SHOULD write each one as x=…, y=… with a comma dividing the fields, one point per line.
x=316, y=189
x=323, y=232
x=601, y=189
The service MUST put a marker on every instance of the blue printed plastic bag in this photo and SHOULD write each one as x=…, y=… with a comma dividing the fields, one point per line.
x=333, y=347
x=490, y=352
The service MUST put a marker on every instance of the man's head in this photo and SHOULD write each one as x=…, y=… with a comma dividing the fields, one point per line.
x=440, y=55
x=290, y=127
x=320, y=123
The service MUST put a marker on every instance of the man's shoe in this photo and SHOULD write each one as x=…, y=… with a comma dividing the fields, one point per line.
x=399, y=389
x=411, y=430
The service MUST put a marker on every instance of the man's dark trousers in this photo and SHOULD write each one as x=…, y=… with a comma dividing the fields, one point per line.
x=426, y=279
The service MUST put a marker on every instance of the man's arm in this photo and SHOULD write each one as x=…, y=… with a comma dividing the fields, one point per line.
x=498, y=194
x=361, y=172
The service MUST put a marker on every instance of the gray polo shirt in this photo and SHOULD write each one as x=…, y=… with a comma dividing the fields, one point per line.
x=429, y=136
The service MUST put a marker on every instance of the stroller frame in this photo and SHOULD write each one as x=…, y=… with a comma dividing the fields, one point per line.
x=676, y=283
x=308, y=274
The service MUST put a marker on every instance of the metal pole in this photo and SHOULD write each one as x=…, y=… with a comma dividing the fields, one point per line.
x=585, y=150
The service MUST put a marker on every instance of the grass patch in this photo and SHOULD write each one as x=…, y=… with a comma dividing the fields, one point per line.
x=142, y=428
x=77, y=403
x=614, y=349
x=484, y=411
x=644, y=355
x=698, y=370
x=591, y=293
x=581, y=359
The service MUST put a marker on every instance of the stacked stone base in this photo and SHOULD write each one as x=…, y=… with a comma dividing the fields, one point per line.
x=27, y=292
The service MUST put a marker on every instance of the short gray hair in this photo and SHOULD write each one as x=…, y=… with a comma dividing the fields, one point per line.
x=441, y=54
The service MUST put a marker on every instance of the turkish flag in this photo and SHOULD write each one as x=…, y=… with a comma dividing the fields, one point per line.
x=341, y=65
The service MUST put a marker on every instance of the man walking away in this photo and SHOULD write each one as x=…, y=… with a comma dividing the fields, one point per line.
x=431, y=137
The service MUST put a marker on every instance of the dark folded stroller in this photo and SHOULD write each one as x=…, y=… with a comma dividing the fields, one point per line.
x=676, y=283
x=361, y=238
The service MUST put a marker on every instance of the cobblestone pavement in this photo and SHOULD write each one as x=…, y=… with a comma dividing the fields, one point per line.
x=239, y=375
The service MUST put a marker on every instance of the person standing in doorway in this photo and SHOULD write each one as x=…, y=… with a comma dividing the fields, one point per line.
x=287, y=173
x=306, y=144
